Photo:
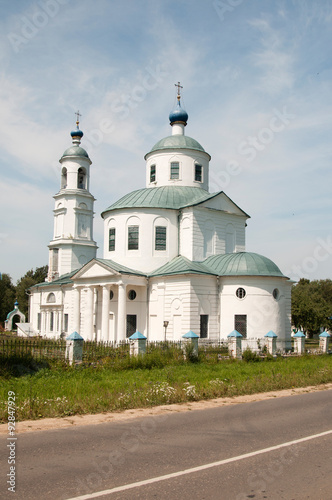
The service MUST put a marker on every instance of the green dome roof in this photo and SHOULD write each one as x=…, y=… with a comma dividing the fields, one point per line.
x=75, y=151
x=242, y=264
x=177, y=141
x=172, y=197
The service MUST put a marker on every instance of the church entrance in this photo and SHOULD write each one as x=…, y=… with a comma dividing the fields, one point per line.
x=131, y=324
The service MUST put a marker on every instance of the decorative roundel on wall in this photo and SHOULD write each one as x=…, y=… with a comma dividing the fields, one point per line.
x=240, y=293
x=111, y=294
x=276, y=294
x=131, y=295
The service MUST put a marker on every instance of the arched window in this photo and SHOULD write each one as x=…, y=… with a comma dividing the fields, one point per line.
x=50, y=298
x=64, y=178
x=133, y=224
x=81, y=178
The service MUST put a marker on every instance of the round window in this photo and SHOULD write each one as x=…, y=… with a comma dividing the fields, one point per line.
x=276, y=294
x=131, y=295
x=240, y=293
x=111, y=295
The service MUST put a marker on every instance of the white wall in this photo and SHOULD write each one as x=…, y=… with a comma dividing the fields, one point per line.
x=146, y=258
x=264, y=313
x=187, y=159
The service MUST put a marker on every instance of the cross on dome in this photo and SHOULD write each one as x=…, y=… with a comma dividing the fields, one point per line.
x=77, y=134
x=179, y=91
x=178, y=115
x=78, y=114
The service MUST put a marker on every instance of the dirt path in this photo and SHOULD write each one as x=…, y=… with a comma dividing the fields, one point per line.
x=99, y=418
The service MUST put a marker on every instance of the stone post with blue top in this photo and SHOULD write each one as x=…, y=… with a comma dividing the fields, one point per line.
x=271, y=340
x=137, y=344
x=191, y=338
x=235, y=344
x=299, y=343
x=74, y=348
x=324, y=339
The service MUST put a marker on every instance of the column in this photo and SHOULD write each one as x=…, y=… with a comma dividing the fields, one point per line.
x=89, y=313
x=76, y=310
x=121, y=333
x=105, y=314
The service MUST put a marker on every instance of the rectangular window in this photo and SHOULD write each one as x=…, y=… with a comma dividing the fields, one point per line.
x=39, y=322
x=111, y=239
x=198, y=173
x=160, y=241
x=240, y=324
x=152, y=173
x=204, y=326
x=131, y=324
x=65, y=322
x=175, y=170
x=133, y=233
x=51, y=321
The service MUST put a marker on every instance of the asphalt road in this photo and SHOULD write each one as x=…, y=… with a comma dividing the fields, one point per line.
x=77, y=462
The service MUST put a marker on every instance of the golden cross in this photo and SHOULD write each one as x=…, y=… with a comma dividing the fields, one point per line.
x=78, y=114
x=179, y=87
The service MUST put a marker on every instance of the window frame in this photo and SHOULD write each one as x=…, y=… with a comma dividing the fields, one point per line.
x=153, y=172
x=200, y=174
x=158, y=240
x=133, y=241
x=113, y=229
x=174, y=175
x=241, y=324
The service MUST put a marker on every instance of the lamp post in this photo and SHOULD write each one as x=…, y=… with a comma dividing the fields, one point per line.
x=165, y=326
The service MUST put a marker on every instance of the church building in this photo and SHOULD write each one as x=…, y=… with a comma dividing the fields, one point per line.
x=174, y=256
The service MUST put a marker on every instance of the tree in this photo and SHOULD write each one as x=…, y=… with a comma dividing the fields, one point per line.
x=29, y=279
x=7, y=296
x=312, y=305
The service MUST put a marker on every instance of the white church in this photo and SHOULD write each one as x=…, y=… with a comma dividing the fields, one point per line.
x=174, y=256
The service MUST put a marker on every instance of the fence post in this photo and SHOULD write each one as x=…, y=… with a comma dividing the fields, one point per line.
x=191, y=338
x=74, y=348
x=137, y=344
x=271, y=338
x=235, y=344
x=299, y=347
x=324, y=342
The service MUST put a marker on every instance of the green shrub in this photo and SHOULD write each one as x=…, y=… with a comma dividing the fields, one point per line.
x=250, y=356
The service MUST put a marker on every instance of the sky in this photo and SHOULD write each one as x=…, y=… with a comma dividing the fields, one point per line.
x=257, y=86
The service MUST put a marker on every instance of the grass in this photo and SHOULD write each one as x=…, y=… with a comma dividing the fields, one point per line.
x=50, y=389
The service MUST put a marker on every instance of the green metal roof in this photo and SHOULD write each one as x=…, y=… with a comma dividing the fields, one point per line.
x=64, y=279
x=119, y=267
x=177, y=141
x=75, y=151
x=242, y=264
x=181, y=265
x=172, y=197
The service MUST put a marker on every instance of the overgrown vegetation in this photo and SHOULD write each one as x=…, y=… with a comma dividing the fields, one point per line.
x=53, y=389
x=9, y=292
x=312, y=305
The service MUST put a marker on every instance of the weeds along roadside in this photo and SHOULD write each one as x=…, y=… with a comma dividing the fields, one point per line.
x=50, y=388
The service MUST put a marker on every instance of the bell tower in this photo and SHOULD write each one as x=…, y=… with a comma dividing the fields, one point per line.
x=72, y=244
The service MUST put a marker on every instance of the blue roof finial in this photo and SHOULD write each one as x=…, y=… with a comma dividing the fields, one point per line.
x=77, y=134
x=178, y=115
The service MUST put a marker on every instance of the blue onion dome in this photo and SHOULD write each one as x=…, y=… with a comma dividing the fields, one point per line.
x=77, y=133
x=178, y=115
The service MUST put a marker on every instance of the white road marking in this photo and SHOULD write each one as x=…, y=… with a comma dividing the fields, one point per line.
x=197, y=469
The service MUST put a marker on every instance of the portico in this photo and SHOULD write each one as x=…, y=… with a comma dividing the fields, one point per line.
x=107, y=303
